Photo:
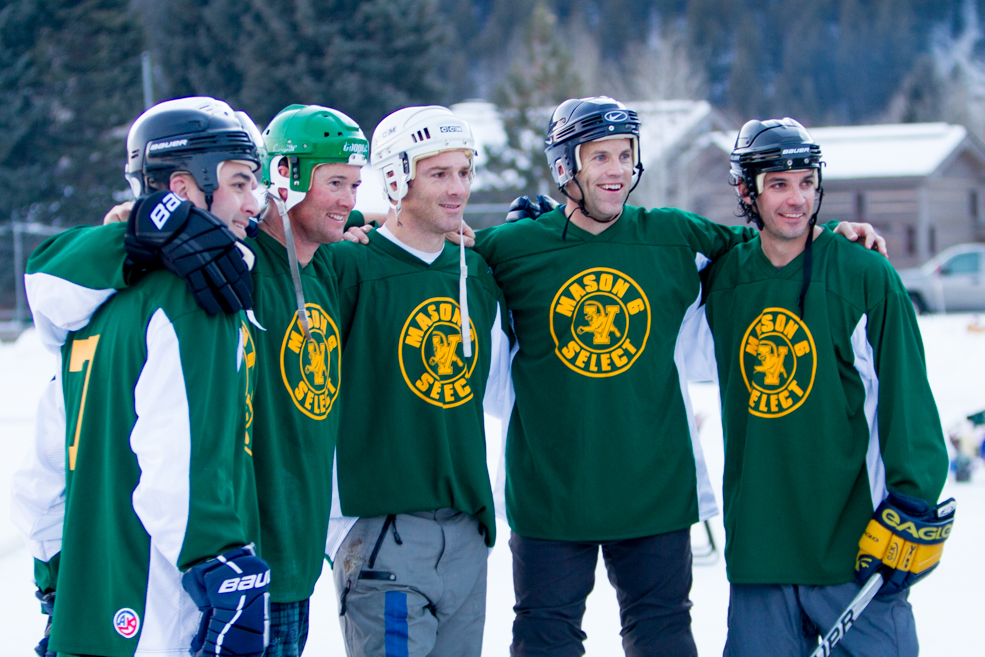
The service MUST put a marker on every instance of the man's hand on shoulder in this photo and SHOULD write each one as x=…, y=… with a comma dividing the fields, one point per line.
x=166, y=231
x=870, y=238
x=119, y=214
x=358, y=234
x=523, y=208
x=467, y=232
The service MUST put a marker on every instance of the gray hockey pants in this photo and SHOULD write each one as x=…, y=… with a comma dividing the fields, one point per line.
x=411, y=585
x=786, y=620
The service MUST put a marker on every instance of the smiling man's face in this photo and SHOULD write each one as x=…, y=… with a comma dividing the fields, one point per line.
x=320, y=218
x=437, y=195
x=605, y=176
x=786, y=203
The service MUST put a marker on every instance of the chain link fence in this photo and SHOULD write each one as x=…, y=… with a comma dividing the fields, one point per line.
x=17, y=241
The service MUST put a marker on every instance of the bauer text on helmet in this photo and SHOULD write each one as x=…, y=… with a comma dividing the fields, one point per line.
x=193, y=135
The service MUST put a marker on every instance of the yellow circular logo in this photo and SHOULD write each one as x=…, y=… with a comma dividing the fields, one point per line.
x=778, y=363
x=432, y=357
x=311, y=367
x=600, y=321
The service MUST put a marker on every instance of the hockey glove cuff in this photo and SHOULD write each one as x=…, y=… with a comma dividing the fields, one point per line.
x=905, y=540
x=164, y=230
x=523, y=208
x=231, y=592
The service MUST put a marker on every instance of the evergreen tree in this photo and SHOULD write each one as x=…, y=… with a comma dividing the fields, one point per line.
x=69, y=87
x=364, y=58
x=541, y=77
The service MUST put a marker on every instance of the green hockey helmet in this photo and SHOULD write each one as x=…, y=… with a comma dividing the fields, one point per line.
x=309, y=135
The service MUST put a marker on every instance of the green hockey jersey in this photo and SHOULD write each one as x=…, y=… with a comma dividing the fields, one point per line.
x=602, y=444
x=292, y=417
x=411, y=436
x=821, y=413
x=157, y=469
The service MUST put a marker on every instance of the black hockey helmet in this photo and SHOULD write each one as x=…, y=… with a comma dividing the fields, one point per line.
x=189, y=134
x=580, y=120
x=773, y=145
x=776, y=145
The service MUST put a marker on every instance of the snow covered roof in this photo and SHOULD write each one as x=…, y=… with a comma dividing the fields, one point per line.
x=878, y=151
x=665, y=124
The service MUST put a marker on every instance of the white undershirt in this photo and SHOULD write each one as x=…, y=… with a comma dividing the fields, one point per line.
x=423, y=255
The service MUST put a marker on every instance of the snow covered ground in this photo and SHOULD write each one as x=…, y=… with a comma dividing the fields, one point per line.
x=948, y=605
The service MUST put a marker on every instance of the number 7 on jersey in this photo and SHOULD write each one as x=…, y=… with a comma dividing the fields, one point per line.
x=83, y=351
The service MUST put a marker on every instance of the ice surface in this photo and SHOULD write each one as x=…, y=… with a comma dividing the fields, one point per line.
x=948, y=604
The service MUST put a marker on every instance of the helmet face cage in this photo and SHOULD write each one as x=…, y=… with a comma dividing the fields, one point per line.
x=188, y=134
x=766, y=146
x=580, y=120
x=412, y=134
x=309, y=135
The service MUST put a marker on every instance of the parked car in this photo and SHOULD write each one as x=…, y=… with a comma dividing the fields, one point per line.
x=951, y=281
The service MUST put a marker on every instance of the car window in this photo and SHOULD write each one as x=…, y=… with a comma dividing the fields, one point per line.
x=966, y=263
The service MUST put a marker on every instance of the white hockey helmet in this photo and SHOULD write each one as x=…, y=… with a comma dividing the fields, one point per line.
x=411, y=134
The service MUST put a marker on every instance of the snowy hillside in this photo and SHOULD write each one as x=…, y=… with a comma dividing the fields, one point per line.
x=948, y=605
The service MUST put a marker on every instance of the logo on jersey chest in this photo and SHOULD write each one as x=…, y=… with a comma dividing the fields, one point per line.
x=600, y=321
x=250, y=359
x=432, y=357
x=779, y=362
x=311, y=367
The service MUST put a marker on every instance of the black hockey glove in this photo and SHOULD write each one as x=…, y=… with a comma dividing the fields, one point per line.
x=47, y=608
x=165, y=231
x=524, y=208
x=904, y=540
x=231, y=592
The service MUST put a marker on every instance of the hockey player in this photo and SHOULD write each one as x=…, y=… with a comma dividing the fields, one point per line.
x=602, y=447
x=294, y=416
x=138, y=500
x=828, y=418
x=423, y=330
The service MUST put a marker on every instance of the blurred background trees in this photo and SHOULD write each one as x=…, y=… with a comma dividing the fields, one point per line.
x=70, y=71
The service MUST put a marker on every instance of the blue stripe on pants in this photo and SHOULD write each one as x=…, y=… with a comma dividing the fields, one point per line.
x=395, y=622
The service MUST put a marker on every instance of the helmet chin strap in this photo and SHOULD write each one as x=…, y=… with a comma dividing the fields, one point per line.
x=581, y=202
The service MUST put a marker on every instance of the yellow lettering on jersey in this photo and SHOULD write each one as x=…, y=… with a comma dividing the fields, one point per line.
x=295, y=340
x=414, y=336
x=770, y=360
x=753, y=397
x=310, y=367
x=424, y=382
x=600, y=321
x=619, y=289
x=565, y=306
x=431, y=355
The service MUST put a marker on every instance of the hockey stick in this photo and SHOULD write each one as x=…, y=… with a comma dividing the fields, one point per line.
x=849, y=616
